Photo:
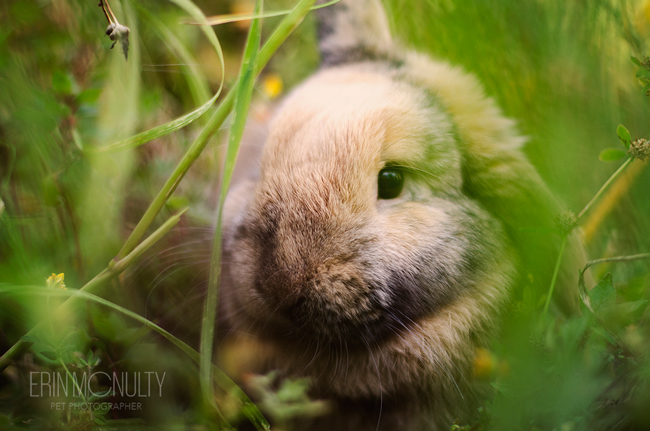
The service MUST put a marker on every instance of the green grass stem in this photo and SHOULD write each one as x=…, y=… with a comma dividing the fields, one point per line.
x=555, y=273
x=244, y=94
x=603, y=188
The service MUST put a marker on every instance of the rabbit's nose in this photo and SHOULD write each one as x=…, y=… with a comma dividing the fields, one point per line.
x=283, y=286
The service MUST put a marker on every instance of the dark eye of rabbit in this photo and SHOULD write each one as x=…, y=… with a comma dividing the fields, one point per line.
x=390, y=182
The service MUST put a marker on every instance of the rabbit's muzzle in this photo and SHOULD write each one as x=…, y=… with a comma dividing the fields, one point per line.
x=307, y=276
x=310, y=276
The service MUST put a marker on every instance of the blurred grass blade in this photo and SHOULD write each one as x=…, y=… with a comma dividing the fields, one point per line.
x=122, y=264
x=196, y=80
x=248, y=407
x=221, y=113
x=118, y=118
x=235, y=17
x=242, y=102
x=156, y=132
x=195, y=12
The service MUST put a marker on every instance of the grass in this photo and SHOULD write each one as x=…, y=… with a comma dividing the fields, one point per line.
x=97, y=153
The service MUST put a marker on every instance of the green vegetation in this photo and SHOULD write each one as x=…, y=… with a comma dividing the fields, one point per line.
x=98, y=152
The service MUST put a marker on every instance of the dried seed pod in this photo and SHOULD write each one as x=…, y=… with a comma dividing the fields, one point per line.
x=119, y=33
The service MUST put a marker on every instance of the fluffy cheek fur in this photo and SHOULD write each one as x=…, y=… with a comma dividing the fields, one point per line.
x=396, y=305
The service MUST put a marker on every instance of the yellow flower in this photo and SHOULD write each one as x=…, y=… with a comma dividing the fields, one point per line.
x=56, y=281
x=484, y=363
x=272, y=86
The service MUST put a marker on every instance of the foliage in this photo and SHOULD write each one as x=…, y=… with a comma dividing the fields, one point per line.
x=88, y=139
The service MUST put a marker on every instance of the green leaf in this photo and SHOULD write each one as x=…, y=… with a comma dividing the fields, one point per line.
x=105, y=325
x=61, y=83
x=624, y=314
x=611, y=155
x=643, y=73
x=89, y=96
x=636, y=61
x=51, y=192
x=49, y=355
x=624, y=135
x=42, y=346
x=604, y=294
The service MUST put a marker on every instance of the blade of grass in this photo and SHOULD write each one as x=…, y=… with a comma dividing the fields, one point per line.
x=228, y=18
x=195, y=78
x=100, y=218
x=113, y=270
x=221, y=113
x=196, y=13
x=556, y=271
x=221, y=379
x=242, y=103
x=156, y=132
x=603, y=188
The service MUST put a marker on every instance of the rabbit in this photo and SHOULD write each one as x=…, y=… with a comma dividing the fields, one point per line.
x=375, y=241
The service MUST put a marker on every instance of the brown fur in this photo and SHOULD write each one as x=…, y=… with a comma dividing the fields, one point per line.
x=381, y=302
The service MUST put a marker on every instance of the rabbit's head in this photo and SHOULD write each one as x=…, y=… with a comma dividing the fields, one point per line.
x=381, y=236
x=358, y=226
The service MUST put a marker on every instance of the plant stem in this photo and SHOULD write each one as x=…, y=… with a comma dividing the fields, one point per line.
x=15, y=350
x=103, y=4
x=234, y=17
x=110, y=11
x=74, y=381
x=616, y=259
x=604, y=187
x=555, y=273
x=177, y=176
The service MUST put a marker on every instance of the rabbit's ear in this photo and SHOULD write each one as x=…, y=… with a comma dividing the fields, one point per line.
x=497, y=173
x=354, y=30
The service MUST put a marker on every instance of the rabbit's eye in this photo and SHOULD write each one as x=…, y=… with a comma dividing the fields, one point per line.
x=390, y=182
